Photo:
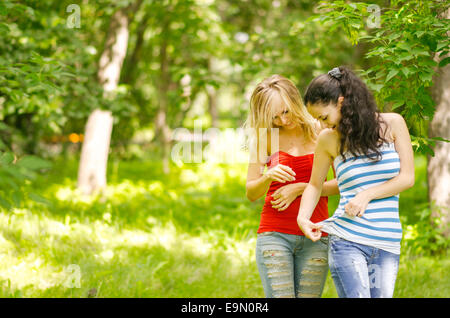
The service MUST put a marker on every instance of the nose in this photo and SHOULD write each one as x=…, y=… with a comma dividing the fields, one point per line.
x=284, y=119
x=325, y=123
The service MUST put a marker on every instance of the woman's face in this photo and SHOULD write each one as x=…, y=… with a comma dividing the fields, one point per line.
x=282, y=118
x=328, y=115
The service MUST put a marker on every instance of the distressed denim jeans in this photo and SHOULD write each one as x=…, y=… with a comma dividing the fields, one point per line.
x=291, y=265
x=361, y=271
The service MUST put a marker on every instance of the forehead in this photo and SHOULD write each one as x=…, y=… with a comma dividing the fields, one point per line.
x=277, y=103
x=319, y=110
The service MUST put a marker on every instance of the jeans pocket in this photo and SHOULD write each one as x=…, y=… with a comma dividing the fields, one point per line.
x=324, y=240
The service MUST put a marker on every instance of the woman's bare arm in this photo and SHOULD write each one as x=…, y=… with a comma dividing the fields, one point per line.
x=311, y=195
x=404, y=180
x=257, y=183
x=330, y=188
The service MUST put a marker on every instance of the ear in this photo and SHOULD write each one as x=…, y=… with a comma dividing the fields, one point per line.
x=340, y=101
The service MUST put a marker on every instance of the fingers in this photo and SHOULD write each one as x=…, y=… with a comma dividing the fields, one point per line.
x=313, y=235
x=282, y=175
x=311, y=230
x=287, y=169
x=278, y=197
x=316, y=236
x=286, y=205
x=317, y=227
x=354, y=210
x=278, y=178
x=351, y=209
x=281, y=206
x=277, y=194
x=277, y=201
x=316, y=232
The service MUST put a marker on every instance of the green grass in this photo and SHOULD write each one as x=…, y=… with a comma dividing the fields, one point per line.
x=189, y=234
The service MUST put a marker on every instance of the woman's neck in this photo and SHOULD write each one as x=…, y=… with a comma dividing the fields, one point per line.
x=291, y=132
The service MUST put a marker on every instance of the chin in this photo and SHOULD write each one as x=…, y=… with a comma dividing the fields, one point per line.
x=291, y=126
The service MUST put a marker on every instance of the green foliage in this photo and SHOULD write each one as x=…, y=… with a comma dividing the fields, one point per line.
x=15, y=174
x=282, y=40
x=426, y=236
x=403, y=49
x=422, y=233
x=48, y=71
x=33, y=75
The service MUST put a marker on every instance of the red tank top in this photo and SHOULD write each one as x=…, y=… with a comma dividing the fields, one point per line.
x=285, y=221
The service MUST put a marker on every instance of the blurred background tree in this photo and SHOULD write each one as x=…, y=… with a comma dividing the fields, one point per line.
x=409, y=72
x=150, y=67
x=199, y=59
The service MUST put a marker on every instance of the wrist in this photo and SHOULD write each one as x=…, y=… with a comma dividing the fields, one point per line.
x=369, y=195
x=302, y=220
x=300, y=188
x=266, y=177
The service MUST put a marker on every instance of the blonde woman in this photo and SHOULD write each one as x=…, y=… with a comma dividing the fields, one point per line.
x=284, y=138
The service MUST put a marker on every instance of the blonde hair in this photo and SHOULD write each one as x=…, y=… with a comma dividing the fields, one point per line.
x=261, y=113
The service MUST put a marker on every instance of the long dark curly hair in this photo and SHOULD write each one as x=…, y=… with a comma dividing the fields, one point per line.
x=360, y=125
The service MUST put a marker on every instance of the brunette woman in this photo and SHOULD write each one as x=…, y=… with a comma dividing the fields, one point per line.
x=373, y=160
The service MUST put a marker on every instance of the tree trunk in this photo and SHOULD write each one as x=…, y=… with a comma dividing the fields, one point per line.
x=212, y=95
x=131, y=64
x=439, y=165
x=212, y=102
x=162, y=127
x=94, y=152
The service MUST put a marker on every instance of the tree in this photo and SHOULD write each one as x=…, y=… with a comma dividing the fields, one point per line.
x=185, y=35
x=31, y=80
x=410, y=45
x=34, y=73
x=94, y=153
x=439, y=164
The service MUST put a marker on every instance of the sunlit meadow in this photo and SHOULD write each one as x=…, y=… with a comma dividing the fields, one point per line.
x=189, y=234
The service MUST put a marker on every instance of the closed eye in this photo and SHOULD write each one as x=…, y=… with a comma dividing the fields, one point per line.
x=284, y=112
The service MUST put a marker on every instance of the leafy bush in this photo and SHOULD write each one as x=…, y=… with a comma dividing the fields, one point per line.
x=426, y=236
x=14, y=174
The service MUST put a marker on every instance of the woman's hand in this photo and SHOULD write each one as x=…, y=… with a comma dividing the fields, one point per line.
x=311, y=230
x=357, y=206
x=284, y=196
x=280, y=173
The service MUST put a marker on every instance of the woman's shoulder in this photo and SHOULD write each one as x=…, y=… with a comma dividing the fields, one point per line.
x=391, y=118
x=393, y=121
x=328, y=134
x=329, y=140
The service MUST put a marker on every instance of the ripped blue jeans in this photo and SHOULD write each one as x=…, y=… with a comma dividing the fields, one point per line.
x=291, y=265
x=361, y=271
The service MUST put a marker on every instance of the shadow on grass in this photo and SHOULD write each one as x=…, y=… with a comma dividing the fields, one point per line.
x=190, y=197
x=189, y=234
x=161, y=263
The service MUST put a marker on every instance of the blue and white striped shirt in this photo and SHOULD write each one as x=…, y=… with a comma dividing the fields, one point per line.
x=380, y=225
